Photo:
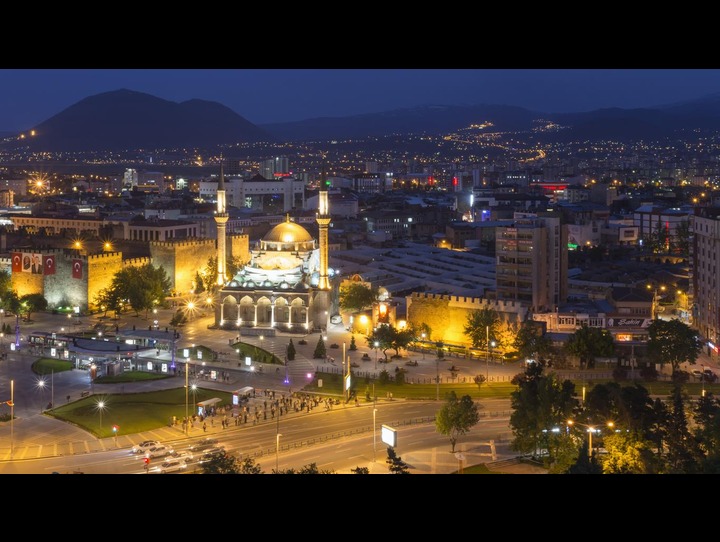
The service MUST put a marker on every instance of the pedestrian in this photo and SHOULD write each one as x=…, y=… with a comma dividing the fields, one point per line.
x=204, y=427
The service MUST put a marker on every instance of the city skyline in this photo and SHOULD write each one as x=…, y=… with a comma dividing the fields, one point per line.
x=31, y=96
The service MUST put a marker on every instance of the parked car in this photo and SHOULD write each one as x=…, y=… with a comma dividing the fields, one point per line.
x=697, y=373
x=203, y=444
x=169, y=466
x=159, y=451
x=144, y=446
x=709, y=375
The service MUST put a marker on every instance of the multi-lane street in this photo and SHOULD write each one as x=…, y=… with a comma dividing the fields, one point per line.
x=335, y=440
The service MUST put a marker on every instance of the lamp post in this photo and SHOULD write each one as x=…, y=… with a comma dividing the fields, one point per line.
x=437, y=370
x=100, y=407
x=702, y=378
x=374, y=435
x=590, y=430
x=491, y=345
x=422, y=335
x=187, y=389
x=277, y=452
x=376, y=344
x=41, y=387
x=653, y=309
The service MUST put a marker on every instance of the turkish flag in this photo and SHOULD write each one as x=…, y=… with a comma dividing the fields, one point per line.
x=16, y=262
x=77, y=269
x=49, y=265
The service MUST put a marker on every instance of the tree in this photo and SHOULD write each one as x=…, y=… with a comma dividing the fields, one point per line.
x=248, y=466
x=199, y=287
x=30, y=303
x=683, y=454
x=221, y=464
x=360, y=470
x=178, y=319
x=310, y=468
x=587, y=343
x=672, y=341
x=143, y=287
x=291, y=350
x=353, y=346
x=356, y=296
x=483, y=325
x=627, y=453
x=530, y=342
x=320, y=351
x=456, y=417
x=395, y=463
x=384, y=335
x=539, y=404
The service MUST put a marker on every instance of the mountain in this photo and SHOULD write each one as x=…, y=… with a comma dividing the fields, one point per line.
x=608, y=124
x=428, y=119
x=125, y=119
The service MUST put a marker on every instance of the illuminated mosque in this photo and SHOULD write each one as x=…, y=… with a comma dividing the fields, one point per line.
x=287, y=284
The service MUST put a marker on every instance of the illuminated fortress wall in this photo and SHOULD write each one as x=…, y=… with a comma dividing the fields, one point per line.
x=182, y=260
x=447, y=315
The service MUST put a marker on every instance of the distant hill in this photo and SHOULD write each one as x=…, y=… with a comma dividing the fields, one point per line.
x=613, y=123
x=428, y=119
x=125, y=119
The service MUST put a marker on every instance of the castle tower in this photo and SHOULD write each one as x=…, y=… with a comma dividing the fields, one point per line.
x=221, y=218
x=323, y=220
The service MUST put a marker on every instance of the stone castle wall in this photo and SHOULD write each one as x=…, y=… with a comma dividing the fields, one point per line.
x=182, y=260
x=447, y=315
x=238, y=247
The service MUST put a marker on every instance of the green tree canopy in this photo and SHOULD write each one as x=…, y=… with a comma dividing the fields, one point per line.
x=483, y=325
x=672, y=341
x=456, y=417
x=30, y=303
x=530, y=342
x=587, y=343
x=356, y=296
x=395, y=463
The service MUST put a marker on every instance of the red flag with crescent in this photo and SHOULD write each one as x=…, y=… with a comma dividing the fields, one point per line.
x=49, y=265
x=16, y=262
x=77, y=269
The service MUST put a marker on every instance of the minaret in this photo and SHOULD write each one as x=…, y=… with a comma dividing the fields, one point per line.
x=221, y=218
x=323, y=220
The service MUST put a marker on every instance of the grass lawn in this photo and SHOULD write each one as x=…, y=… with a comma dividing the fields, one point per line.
x=133, y=412
x=46, y=366
x=256, y=353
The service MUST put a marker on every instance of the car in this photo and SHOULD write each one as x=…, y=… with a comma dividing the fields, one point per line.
x=697, y=373
x=212, y=453
x=709, y=375
x=203, y=444
x=144, y=446
x=168, y=466
x=183, y=455
x=159, y=451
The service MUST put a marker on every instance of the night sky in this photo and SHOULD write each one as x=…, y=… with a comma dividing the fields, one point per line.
x=30, y=96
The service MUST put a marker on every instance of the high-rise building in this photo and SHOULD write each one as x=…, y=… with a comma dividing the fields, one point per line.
x=275, y=167
x=531, y=261
x=705, y=279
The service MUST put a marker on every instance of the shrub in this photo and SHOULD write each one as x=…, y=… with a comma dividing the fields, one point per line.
x=649, y=374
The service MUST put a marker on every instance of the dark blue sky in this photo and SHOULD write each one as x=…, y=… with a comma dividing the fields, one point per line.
x=30, y=96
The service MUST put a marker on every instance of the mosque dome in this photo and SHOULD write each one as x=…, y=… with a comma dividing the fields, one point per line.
x=287, y=232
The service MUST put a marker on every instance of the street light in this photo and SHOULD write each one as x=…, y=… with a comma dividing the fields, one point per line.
x=376, y=344
x=41, y=387
x=101, y=407
x=374, y=435
x=491, y=345
x=277, y=451
x=437, y=370
x=422, y=335
x=590, y=430
x=653, y=310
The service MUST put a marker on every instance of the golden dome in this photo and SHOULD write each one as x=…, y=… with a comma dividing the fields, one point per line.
x=287, y=232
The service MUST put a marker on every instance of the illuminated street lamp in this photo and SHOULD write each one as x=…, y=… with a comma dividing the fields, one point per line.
x=422, y=335
x=100, y=406
x=590, y=430
x=653, y=309
x=41, y=387
x=376, y=344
